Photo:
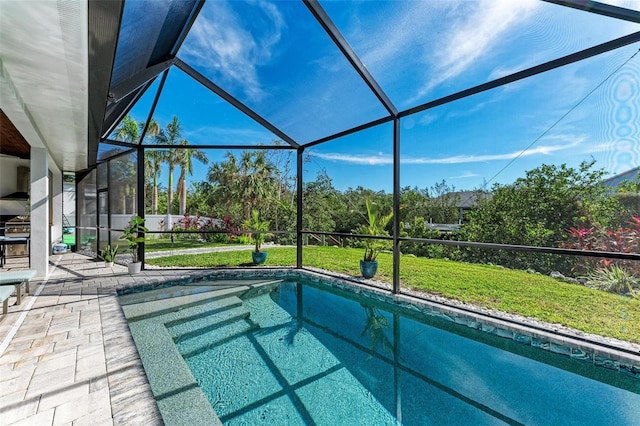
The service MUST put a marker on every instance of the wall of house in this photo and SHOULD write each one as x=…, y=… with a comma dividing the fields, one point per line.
x=9, y=184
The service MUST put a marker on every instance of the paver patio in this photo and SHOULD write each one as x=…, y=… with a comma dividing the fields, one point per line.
x=66, y=355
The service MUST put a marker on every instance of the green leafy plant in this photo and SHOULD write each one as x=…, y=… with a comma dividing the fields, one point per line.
x=134, y=234
x=375, y=326
x=257, y=228
x=108, y=254
x=375, y=226
x=613, y=279
x=243, y=240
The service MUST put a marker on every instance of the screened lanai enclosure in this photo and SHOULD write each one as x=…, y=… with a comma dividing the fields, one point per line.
x=463, y=142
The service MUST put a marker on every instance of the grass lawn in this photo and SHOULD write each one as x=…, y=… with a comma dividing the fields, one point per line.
x=164, y=244
x=518, y=292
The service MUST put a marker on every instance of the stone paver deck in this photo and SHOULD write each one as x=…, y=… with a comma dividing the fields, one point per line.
x=66, y=353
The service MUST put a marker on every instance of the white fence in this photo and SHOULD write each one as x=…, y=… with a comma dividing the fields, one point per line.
x=158, y=222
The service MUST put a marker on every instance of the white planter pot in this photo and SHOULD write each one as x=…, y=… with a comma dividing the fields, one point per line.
x=108, y=264
x=134, y=268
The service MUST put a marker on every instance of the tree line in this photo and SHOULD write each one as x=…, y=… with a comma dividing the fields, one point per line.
x=537, y=209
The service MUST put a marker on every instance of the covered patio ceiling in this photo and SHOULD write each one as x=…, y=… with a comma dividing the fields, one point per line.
x=44, y=78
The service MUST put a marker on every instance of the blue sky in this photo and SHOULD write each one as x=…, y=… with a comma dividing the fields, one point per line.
x=275, y=58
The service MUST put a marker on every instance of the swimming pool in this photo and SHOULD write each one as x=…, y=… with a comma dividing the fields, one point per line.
x=295, y=352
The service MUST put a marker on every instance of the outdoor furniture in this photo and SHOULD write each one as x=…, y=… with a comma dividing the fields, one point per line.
x=5, y=241
x=15, y=279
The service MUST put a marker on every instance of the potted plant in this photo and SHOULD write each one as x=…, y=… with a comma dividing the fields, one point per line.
x=108, y=254
x=134, y=234
x=375, y=227
x=258, y=232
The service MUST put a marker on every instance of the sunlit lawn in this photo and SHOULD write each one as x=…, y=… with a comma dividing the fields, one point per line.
x=518, y=292
x=165, y=244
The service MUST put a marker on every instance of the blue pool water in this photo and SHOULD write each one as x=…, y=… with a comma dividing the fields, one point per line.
x=300, y=354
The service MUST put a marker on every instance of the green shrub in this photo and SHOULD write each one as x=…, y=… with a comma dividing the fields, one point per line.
x=213, y=238
x=613, y=279
x=244, y=240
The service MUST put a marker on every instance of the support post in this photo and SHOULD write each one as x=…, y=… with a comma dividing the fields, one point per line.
x=56, y=198
x=39, y=200
x=396, y=205
x=300, y=153
x=140, y=196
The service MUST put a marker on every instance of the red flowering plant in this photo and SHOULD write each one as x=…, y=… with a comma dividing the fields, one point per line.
x=625, y=239
x=584, y=237
x=187, y=223
x=230, y=226
x=211, y=230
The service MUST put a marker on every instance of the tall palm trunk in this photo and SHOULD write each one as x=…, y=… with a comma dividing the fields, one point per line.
x=154, y=196
x=133, y=199
x=183, y=196
x=170, y=191
x=123, y=202
x=182, y=191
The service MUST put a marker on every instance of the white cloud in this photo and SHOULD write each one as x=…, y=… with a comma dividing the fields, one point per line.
x=381, y=160
x=464, y=175
x=222, y=44
x=474, y=35
x=428, y=118
x=411, y=18
x=371, y=160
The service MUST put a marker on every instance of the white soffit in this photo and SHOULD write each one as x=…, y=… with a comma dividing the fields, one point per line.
x=44, y=75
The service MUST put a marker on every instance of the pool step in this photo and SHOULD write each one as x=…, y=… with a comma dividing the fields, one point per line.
x=177, y=299
x=212, y=338
x=202, y=310
x=216, y=319
x=161, y=301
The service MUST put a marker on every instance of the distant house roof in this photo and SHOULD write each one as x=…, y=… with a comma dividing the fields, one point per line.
x=615, y=181
x=467, y=199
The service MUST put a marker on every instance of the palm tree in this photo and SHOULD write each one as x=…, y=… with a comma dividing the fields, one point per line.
x=250, y=180
x=222, y=176
x=171, y=136
x=152, y=163
x=185, y=156
x=122, y=173
x=376, y=224
x=258, y=175
x=152, y=169
x=128, y=130
x=152, y=129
